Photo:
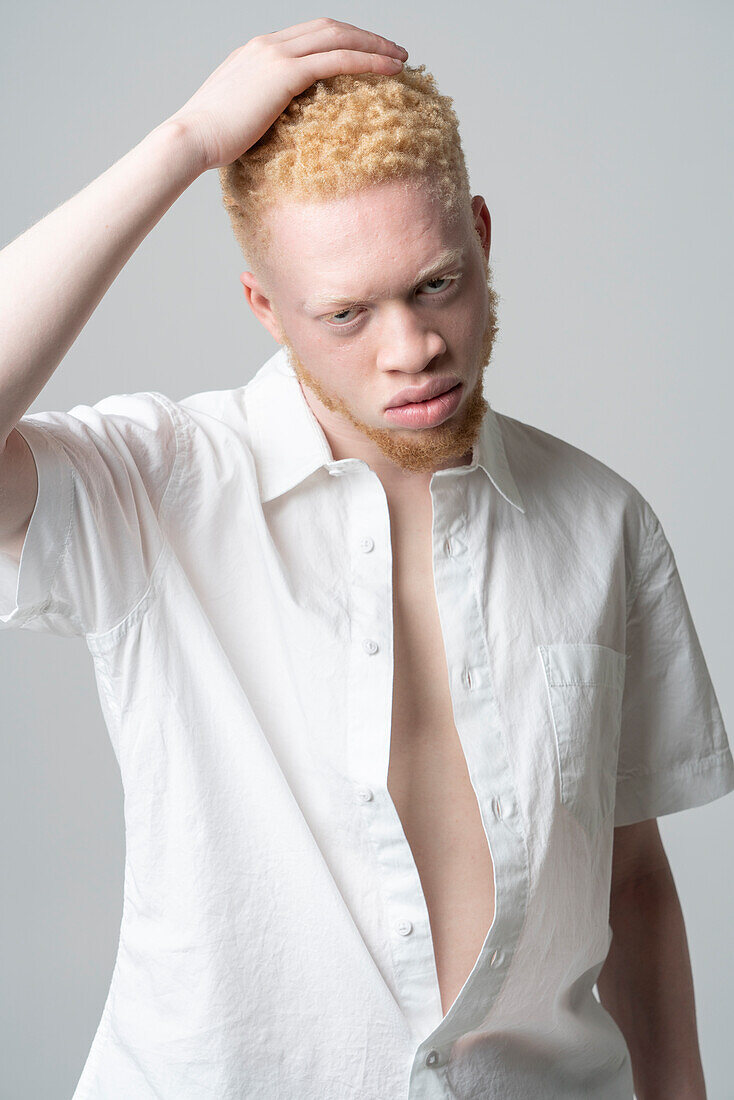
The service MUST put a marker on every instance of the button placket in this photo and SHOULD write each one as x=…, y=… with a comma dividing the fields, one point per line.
x=459, y=513
x=368, y=685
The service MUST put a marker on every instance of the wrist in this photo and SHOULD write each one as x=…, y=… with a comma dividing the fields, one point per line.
x=183, y=148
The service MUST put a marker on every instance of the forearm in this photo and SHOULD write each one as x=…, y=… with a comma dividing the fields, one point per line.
x=54, y=275
x=646, y=985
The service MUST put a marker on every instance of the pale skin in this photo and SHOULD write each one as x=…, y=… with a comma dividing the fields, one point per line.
x=53, y=276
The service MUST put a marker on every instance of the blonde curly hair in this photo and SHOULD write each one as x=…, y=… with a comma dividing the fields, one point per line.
x=341, y=134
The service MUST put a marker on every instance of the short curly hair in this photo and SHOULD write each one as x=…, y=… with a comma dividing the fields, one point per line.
x=341, y=134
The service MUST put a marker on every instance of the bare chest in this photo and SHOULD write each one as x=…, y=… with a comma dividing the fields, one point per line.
x=428, y=779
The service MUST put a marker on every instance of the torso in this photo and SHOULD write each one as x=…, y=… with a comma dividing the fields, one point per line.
x=428, y=779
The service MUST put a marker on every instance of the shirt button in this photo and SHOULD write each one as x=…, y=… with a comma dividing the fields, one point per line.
x=370, y=646
x=404, y=927
x=433, y=1058
x=497, y=957
x=364, y=794
x=448, y=547
x=497, y=808
x=367, y=544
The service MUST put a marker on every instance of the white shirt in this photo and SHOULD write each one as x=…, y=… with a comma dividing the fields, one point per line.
x=232, y=582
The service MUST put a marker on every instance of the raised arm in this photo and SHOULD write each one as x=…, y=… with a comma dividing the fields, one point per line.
x=53, y=276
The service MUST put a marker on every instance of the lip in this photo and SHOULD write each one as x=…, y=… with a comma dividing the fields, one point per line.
x=426, y=414
x=414, y=394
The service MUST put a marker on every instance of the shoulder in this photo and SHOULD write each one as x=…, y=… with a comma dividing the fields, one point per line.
x=551, y=467
x=136, y=428
x=567, y=488
x=213, y=416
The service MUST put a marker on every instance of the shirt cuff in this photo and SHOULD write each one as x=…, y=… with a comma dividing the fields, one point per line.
x=691, y=784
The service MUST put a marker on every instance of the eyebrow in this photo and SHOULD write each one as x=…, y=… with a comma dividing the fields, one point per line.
x=450, y=257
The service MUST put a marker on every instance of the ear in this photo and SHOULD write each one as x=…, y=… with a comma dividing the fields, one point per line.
x=261, y=304
x=482, y=223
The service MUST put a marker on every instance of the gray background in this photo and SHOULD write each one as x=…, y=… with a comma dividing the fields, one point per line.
x=598, y=134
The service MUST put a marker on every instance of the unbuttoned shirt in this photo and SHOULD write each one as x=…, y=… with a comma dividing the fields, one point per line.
x=233, y=584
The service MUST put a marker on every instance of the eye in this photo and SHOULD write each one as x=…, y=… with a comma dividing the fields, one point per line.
x=334, y=316
x=335, y=322
x=442, y=279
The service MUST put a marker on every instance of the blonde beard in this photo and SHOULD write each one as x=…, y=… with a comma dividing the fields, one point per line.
x=417, y=450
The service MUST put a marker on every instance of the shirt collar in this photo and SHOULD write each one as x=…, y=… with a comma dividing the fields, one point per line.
x=289, y=443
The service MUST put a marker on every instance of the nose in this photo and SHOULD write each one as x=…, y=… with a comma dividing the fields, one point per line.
x=407, y=344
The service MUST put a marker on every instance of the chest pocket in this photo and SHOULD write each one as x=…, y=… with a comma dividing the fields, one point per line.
x=585, y=684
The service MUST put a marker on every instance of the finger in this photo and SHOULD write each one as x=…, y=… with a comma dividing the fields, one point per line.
x=343, y=37
x=297, y=28
x=317, y=66
x=335, y=30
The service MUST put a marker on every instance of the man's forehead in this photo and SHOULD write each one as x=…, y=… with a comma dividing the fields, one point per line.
x=377, y=241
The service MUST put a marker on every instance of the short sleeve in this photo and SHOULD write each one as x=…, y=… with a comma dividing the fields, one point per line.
x=673, y=752
x=94, y=535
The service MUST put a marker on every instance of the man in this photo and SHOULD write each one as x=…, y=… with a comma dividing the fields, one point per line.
x=398, y=685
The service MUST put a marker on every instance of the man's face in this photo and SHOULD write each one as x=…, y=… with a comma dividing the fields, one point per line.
x=360, y=319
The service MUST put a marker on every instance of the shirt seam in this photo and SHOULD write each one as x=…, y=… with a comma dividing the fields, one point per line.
x=177, y=467
x=642, y=567
x=95, y=639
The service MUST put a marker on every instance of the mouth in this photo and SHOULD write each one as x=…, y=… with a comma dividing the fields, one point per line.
x=427, y=413
x=427, y=399
x=419, y=395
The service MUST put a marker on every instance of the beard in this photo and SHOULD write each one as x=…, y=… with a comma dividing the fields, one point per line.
x=419, y=450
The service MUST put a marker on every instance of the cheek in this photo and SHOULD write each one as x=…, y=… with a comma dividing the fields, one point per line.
x=468, y=317
x=332, y=370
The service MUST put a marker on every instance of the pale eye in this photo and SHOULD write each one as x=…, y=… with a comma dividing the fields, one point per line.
x=443, y=279
x=335, y=316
